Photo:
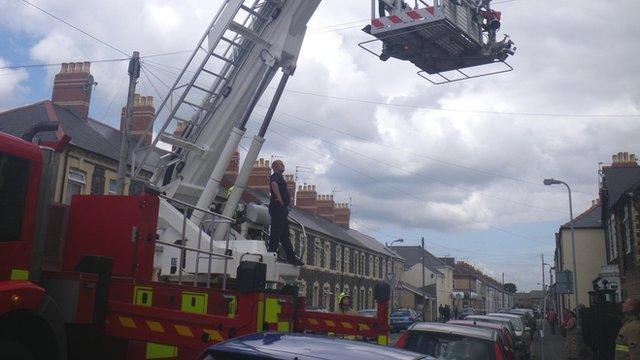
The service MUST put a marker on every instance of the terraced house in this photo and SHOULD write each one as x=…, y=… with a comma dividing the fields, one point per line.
x=336, y=257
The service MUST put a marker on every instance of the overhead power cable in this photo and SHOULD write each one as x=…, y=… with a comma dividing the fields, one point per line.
x=75, y=27
x=480, y=171
x=416, y=173
x=486, y=112
x=397, y=189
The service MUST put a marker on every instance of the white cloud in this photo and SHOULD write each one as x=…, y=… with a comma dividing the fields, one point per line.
x=12, y=87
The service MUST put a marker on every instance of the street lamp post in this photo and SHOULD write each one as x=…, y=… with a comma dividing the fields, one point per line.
x=549, y=182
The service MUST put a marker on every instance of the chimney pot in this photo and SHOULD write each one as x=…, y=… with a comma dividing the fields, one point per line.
x=64, y=68
x=86, y=67
x=632, y=158
x=614, y=159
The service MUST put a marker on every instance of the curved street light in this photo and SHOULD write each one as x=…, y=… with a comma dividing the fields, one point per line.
x=552, y=181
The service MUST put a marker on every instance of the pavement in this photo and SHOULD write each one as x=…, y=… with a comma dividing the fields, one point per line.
x=553, y=345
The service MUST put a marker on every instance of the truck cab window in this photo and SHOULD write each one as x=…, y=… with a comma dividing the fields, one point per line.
x=14, y=173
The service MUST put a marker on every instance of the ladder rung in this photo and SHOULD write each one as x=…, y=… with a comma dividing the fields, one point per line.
x=253, y=12
x=194, y=105
x=205, y=90
x=223, y=58
x=172, y=140
x=184, y=120
x=214, y=74
x=248, y=34
x=233, y=43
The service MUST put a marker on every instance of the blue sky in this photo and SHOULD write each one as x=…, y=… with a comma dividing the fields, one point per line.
x=469, y=182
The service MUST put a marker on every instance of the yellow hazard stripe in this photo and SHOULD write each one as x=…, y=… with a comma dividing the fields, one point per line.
x=183, y=330
x=214, y=335
x=19, y=274
x=155, y=326
x=623, y=348
x=364, y=327
x=313, y=321
x=346, y=325
x=127, y=322
x=329, y=323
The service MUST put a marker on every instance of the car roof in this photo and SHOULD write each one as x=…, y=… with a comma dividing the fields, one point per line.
x=480, y=333
x=481, y=324
x=506, y=315
x=274, y=345
x=480, y=317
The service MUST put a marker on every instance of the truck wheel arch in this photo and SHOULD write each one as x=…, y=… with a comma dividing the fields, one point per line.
x=40, y=331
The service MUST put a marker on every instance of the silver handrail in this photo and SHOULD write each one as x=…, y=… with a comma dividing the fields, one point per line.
x=216, y=218
x=304, y=234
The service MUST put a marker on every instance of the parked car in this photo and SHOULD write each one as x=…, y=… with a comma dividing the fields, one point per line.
x=521, y=344
x=466, y=312
x=448, y=341
x=274, y=346
x=368, y=312
x=401, y=319
x=506, y=337
x=529, y=317
x=519, y=323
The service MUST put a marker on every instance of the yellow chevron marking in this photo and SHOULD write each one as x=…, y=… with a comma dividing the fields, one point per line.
x=346, y=325
x=364, y=327
x=214, y=335
x=155, y=326
x=127, y=322
x=329, y=323
x=183, y=330
x=313, y=321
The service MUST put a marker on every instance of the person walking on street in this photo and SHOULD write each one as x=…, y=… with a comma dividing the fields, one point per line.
x=571, y=341
x=344, y=305
x=441, y=313
x=552, y=318
x=279, y=211
x=627, y=342
x=447, y=313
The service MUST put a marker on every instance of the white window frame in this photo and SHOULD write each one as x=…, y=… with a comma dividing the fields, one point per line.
x=327, y=255
x=75, y=178
x=113, y=191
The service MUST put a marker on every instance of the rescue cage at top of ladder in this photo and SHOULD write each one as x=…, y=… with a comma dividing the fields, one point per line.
x=441, y=39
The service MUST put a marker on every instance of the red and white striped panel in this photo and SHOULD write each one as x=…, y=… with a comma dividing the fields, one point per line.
x=407, y=17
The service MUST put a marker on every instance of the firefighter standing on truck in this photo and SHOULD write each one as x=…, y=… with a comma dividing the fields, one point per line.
x=627, y=347
x=279, y=211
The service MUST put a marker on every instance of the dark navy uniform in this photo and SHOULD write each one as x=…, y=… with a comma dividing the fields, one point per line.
x=279, y=217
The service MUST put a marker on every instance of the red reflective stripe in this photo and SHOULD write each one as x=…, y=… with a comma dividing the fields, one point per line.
x=414, y=15
x=402, y=340
x=377, y=23
x=430, y=9
x=394, y=19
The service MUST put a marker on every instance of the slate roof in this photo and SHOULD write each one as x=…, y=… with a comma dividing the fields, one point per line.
x=590, y=218
x=618, y=180
x=412, y=256
x=90, y=135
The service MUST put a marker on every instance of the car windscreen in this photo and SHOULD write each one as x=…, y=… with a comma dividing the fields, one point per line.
x=448, y=346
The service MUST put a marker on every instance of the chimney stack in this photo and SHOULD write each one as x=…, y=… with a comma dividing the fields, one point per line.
x=72, y=88
x=143, y=114
x=306, y=198
x=234, y=167
x=325, y=207
x=259, y=178
x=291, y=186
x=624, y=159
x=342, y=215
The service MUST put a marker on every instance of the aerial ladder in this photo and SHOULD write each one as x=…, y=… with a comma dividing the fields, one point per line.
x=205, y=114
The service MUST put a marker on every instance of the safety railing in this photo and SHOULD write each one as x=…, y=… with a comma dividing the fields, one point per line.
x=210, y=255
